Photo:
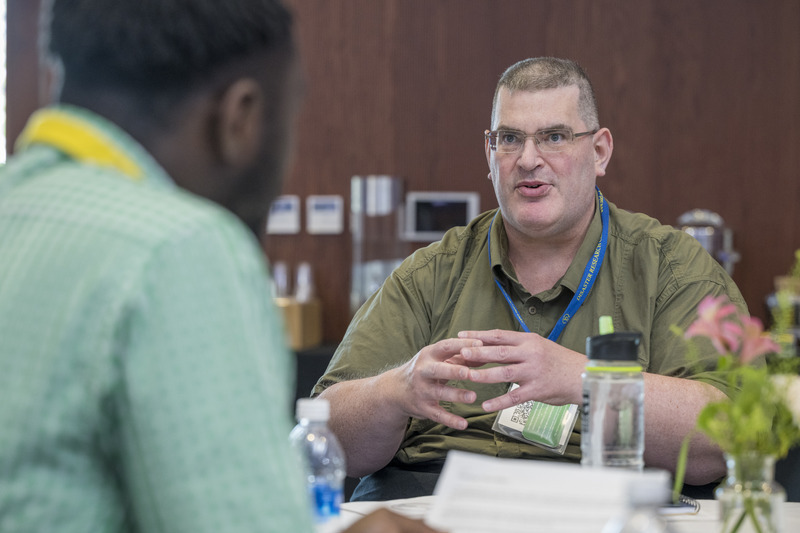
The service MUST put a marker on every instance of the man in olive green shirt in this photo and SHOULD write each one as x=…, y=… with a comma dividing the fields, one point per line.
x=407, y=383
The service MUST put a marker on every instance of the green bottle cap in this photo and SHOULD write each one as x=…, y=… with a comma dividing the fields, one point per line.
x=606, y=325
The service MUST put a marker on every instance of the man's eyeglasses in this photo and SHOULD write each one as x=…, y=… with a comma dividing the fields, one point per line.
x=512, y=141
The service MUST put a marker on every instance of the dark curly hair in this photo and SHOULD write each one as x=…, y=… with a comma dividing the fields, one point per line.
x=157, y=51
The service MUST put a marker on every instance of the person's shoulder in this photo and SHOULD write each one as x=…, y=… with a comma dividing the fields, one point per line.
x=476, y=231
x=673, y=251
x=635, y=228
x=458, y=244
x=137, y=212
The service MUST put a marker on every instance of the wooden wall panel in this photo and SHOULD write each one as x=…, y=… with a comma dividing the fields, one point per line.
x=22, y=63
x=703, y=100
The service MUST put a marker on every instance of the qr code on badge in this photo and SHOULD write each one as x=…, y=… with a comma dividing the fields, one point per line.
x=521, y=412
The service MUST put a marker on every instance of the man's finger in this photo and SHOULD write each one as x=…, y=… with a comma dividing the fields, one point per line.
x=445, y=349
x=493, y=337
x=446, y=371
x=497, y=374
x=493, y=354
x=444, y=417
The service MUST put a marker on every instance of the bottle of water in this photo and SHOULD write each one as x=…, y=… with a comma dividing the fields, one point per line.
x=323, y=458
x=280, y=280
x=612, y=425
x=645, y=498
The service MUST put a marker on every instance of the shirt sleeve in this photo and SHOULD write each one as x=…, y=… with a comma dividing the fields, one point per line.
x=391, y=326
x=693, y=275
x=203, y=399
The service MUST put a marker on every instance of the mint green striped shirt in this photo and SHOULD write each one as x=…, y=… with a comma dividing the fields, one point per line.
x=144, y=379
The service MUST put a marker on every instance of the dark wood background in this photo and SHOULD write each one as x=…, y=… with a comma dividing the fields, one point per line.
x=703, y=100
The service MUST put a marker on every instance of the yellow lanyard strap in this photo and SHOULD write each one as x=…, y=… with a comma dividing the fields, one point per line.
x=78, y=139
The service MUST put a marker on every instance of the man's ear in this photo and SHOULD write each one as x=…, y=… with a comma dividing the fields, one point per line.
x=240, y=121
x=603, y=148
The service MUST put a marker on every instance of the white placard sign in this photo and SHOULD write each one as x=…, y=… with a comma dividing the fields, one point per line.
x=284, y=215
x=324, y=215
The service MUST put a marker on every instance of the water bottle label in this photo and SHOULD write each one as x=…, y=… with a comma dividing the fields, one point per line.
x=327, y=501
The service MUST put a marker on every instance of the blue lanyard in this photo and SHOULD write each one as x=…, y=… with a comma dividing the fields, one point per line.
x=589, y=275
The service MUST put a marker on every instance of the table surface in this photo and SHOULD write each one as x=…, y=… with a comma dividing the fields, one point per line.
x=705, y=521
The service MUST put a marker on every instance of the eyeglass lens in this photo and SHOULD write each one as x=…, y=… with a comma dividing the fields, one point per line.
x=547, y=141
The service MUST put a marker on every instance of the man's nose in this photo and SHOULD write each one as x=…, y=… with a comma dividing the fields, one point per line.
x=530, y=156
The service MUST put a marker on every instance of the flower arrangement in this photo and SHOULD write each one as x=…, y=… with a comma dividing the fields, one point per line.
x=760, y=418
x=757, y=416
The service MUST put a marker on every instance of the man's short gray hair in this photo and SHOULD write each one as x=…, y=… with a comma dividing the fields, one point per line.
x=540, y=73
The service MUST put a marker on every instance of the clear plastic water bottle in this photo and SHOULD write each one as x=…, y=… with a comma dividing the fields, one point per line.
x=645, y=498
x=323, y=457
x=612, y=425
x=280, y=280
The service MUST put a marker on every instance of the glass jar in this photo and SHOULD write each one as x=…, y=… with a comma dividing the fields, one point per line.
x=750, y=500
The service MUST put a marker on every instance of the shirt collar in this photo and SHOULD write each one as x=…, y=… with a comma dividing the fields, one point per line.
x=43, y=130
x=574, y=275
x=501, y=266
x=503, y=269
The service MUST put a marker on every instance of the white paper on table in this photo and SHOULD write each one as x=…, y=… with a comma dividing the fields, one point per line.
x=484, y=494
x=416, y=507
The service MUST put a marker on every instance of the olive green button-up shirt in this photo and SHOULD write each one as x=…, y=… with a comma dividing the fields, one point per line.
x=653, y=277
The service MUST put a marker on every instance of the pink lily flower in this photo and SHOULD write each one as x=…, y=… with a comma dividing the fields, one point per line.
x=715, y=322
x=754, y=342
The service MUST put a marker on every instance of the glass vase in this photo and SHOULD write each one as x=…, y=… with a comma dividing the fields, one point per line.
x=749, y=498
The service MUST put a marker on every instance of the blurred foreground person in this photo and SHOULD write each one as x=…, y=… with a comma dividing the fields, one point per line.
x=144, y=376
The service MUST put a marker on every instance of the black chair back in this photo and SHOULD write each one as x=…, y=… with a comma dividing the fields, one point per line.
x=787, y=473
